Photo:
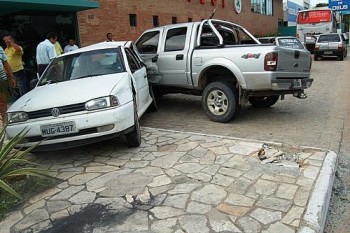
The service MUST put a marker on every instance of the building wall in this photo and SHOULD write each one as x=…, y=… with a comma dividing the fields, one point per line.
x=113, y=16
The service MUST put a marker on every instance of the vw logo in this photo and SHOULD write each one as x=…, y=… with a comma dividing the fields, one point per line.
x=55, y=112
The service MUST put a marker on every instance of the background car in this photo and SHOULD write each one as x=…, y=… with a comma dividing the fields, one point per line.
x=87, y=95
x=285, y=41
x=331, y=44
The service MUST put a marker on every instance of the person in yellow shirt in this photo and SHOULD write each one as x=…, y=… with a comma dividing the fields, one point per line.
x=14, y=54
x=58, y=48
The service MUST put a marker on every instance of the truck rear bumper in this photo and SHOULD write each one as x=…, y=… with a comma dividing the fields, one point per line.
x=291, y=84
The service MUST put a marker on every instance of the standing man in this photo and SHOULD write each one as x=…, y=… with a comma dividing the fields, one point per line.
x=110, y=37
x=70, y=46
x=14, y=54
x=4, y=84
x=45, y=52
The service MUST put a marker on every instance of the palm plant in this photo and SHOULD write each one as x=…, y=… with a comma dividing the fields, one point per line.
x=13, y=164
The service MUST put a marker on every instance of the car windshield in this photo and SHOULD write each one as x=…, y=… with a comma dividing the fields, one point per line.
x=83, y=65
x=290, y=43
x=329, y=38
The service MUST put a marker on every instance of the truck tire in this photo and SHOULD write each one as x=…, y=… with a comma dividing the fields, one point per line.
x=220, y=101
x=341, y=57
x=133, y=139
x=263, y=102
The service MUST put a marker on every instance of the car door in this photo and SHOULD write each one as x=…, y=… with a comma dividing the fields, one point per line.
x=172, y=57
x=139, y=79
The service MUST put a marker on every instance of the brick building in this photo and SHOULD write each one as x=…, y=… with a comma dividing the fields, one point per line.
x=127, y=19
x=88, y=21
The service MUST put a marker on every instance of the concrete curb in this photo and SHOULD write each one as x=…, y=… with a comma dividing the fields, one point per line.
x=316, y=212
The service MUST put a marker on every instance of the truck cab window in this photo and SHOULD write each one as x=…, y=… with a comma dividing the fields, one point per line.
x=175, y=39
x=148, y=43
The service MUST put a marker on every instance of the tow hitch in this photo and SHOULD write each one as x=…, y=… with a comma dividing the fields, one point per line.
x=300, y=95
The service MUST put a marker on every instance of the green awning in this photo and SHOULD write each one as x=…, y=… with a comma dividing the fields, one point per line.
x=12, y=6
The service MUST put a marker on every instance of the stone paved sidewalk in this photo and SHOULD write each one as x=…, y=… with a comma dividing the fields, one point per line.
x=174, y=182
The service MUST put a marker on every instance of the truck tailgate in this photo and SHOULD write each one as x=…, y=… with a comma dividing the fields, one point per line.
x=293, y=60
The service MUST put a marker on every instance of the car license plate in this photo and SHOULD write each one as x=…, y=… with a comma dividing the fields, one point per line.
x=58, y=129
x=328, y=52
x=297, y=83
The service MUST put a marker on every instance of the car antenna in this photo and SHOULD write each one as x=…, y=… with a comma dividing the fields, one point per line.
x=212, y=15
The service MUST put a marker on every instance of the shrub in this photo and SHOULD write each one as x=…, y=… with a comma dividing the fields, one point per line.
x=13, y=164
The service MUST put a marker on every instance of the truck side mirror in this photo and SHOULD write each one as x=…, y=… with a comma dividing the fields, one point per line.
x=155, y=58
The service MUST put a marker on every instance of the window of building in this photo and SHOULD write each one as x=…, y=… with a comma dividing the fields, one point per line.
x=155, y=21
x=174, y=20
x=189, y=19
x=176, y=39
x=264, y=7
x=133, y=20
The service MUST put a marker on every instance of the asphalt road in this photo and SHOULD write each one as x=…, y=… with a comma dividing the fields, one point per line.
x=322, y=120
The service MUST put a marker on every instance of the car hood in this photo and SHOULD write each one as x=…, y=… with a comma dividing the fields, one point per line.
x=67, y=93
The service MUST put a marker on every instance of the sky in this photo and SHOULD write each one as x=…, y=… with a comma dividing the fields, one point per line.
x=314, y=2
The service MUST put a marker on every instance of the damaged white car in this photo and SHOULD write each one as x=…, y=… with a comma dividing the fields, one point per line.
x=88, y=95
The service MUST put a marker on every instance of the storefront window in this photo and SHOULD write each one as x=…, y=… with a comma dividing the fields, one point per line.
x=29, y=30
x=264, y=7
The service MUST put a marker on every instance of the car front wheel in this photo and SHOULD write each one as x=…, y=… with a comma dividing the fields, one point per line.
x=133, y=139
x=220, y=101
x=263, y=102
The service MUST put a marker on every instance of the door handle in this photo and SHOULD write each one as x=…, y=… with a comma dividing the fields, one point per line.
x=179, y=57
x=145, y=76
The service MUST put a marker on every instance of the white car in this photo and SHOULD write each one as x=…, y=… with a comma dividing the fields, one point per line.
x=87, y=95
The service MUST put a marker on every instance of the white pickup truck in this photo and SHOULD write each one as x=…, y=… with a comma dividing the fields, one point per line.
x=224, y=63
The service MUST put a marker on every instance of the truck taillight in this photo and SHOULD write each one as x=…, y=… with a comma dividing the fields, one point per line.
x=340, y=47
x=317, y=47
x=270, y=62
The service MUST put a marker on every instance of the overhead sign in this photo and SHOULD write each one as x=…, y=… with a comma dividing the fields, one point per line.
x=238, y=6
x=339, y=5
x=292, y=10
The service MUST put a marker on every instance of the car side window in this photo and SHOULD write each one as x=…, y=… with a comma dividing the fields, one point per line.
x=175, y=39
x=132, y=61
x=148, y=43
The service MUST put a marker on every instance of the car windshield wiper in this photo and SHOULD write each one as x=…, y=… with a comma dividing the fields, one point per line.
x=47, y=82
x=88, y=76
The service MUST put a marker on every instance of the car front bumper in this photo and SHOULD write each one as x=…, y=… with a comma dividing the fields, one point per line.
x=90, y=126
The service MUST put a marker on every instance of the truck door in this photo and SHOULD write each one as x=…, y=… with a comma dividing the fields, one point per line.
x=148, y=48
x=172, y=57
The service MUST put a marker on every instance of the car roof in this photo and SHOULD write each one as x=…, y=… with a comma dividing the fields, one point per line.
x=101, y=45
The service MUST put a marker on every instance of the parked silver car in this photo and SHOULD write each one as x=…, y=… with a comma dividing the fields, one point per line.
x=331, y=44
x=285, y=41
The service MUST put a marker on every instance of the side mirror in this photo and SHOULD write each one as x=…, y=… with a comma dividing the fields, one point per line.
x=33, y=83
x=155, y=58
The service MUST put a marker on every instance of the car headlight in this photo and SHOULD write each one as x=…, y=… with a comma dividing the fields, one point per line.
x=103, y=102
x=14, y=117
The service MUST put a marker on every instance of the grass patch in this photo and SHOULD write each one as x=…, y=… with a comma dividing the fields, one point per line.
x=26, y=188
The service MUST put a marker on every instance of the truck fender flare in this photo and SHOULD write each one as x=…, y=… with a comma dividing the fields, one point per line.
x=228, y=64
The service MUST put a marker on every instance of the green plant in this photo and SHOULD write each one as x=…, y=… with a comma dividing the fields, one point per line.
x=13, y=164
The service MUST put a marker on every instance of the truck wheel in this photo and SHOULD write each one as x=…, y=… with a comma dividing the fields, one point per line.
x=220, y=101
x=153, y=107
x=133, y=139
x=315, y=57
x=341, y=57
x=263, y=102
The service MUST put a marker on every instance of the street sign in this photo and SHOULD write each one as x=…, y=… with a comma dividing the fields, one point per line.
x=339, y=5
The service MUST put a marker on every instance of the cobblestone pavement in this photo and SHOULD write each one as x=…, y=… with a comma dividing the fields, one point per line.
x=174, y=182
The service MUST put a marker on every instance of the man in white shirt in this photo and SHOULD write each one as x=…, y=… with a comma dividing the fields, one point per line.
x=45, y=52
x=70, y=46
